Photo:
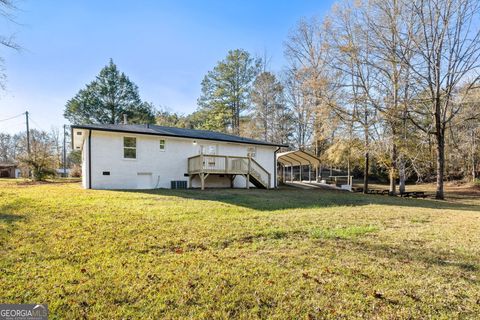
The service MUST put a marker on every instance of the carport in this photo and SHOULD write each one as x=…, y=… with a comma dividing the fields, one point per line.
x=9, y=170
x=298, y=159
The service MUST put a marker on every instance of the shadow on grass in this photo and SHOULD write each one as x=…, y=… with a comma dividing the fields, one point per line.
x=10, y=218
x=345, y=239
x=7, y=211
x=289, y=198
x=408, y=254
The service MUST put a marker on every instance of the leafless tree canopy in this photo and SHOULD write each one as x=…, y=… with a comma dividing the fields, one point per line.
x=398, y=75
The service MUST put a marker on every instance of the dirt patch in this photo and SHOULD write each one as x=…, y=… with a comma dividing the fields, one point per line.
x=27, y=183
x=463, y=189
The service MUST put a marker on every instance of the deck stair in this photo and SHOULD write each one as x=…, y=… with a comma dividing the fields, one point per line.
x=205, y=165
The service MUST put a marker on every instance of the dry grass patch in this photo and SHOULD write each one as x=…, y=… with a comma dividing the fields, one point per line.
x=237, y=254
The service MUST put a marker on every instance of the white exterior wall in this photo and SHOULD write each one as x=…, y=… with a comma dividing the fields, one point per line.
x=154, y=168
x=85, y=163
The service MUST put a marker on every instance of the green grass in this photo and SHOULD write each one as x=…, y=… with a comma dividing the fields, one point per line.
x=285, y=254
x=342, y=233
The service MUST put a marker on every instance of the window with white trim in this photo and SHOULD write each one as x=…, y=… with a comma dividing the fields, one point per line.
x=208, y=149
x=162, y=145
x=129, y=147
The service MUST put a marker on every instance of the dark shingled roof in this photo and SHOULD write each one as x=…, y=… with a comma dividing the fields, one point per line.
x=174, y=132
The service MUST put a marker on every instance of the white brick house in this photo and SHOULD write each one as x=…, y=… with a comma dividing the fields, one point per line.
x=149, y=156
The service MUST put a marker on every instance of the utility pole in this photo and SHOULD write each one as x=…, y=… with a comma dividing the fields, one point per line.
x=28, y=141
x=28, y=133
x=64, y=152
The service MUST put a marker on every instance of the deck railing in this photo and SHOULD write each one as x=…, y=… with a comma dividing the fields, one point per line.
x=259, y=173
x=220, y=164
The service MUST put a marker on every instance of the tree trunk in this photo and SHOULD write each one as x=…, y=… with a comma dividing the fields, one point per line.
x=112, y=121
x=401, y=175
x=265, y=132
x=348, y=173
x=393, y=168
x=440, y=165
x=473, y=157
x=474, y=177
x=367, y=158
x=237, y=120
x=365, y=173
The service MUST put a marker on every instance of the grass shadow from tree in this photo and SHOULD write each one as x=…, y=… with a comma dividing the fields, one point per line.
x=282, y=199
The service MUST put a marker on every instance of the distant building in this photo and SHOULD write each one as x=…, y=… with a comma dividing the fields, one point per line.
x=9, y=170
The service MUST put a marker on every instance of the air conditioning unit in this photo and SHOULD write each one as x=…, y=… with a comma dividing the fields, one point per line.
x=178, y=184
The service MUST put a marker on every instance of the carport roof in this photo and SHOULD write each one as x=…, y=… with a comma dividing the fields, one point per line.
x=297, y=158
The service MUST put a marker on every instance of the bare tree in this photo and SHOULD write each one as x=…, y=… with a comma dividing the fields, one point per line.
x=445, y=56
x=266, y=97
x=306, y=51
x=41, y=160
x=302, y=109
x=5, y=147
x=7, y=7
x=56, y=139
x=390, y=33
x=351, y=51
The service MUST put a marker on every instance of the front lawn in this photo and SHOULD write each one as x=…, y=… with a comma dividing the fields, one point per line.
x=285, y=254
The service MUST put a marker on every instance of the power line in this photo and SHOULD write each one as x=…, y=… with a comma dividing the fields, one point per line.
x=35, y=122
x=18, y=115
x=13, y=124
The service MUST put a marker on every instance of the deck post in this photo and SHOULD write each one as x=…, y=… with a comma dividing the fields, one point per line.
x=291, y=173
x=248, y=172
x=309, y=173
x=247, y=183
x=190, y=177
x=202, y=180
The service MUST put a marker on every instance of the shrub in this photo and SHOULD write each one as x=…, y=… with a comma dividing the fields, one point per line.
x=76, y=171
x=39, y=168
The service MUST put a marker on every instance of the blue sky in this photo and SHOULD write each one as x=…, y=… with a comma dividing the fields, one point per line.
x=165, y=47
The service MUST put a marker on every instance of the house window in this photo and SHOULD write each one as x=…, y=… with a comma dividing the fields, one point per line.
x=251, y=152
x=129, y=147
x=162, y=145
x=208, y=149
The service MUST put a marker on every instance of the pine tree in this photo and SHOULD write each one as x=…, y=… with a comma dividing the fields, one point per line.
x=225, y=92
x=107, y=99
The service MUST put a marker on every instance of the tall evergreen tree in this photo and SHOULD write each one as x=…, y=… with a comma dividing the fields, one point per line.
x=107, y=99
x=225, y=91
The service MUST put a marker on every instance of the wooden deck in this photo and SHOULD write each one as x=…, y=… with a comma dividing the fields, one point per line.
x=205, y=165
